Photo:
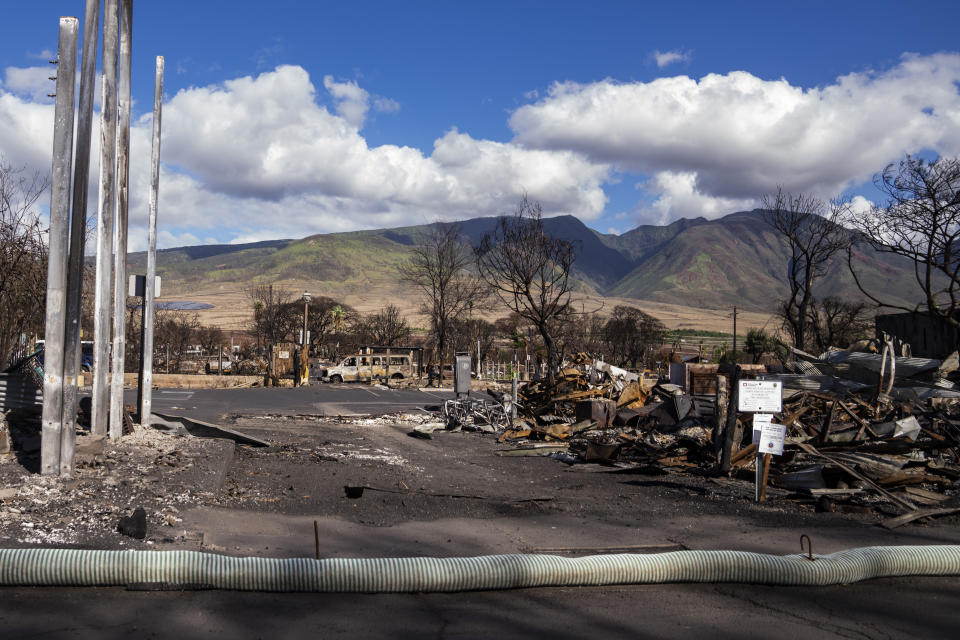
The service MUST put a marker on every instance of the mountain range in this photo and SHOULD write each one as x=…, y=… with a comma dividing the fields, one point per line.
x=739, y=259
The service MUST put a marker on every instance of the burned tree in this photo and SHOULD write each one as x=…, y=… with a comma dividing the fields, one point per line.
x=274, y=314
x=529, y=270
x=835, y=322
x=210, y=339
x=386, y=327
x=812, y=231
x=438, y=268
x=23, y=257
x=175, y=330
x=630, y=334
x=322, y=320
x=920, y=222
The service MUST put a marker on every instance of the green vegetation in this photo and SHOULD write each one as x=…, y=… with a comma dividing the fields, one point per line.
x=696, y=333
x=713, y=264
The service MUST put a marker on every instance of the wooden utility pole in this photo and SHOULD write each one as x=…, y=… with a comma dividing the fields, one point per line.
x=78, y=236
x=734, y=335
x=731, y=424
x=52, y=416
x=108, y=149
x=120, y=222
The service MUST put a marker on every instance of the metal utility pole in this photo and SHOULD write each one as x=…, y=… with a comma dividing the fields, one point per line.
x=78, y=236
x=120, y=223
x=305, y=347
x=52, y=417
x=108, y=148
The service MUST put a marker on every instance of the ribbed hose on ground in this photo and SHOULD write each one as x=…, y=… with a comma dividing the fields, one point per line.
x=194, y=569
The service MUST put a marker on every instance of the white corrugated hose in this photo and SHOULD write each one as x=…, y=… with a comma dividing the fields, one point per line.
x=195, y=569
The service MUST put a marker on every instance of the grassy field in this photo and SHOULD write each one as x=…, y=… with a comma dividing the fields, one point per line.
x=232, y=311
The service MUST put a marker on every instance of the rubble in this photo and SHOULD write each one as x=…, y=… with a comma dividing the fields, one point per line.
x=862, y=436
x=162, y=473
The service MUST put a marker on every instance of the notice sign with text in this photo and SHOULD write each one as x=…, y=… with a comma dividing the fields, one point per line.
x=764, y=396
x=771, y=439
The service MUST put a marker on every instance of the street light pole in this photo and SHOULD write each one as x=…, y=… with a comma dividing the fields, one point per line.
x=305, y=347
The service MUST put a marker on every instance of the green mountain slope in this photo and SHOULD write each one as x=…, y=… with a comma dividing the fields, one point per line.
x=740, y=260
x=736, y=260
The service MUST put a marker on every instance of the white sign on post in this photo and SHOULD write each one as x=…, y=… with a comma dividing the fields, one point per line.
x=771, y=439
x=760, y=420
x=763, y=396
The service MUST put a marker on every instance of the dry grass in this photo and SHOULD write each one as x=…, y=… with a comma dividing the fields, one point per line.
x=232, y=309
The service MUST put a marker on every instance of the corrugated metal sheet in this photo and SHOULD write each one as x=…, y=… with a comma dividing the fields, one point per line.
x=814, y=383
x=18, y=392
x=906, y=367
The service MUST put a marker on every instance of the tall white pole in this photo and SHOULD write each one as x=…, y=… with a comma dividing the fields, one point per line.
x=52, y=417
x=108, y=149
x=120, y=222
x=147, y=372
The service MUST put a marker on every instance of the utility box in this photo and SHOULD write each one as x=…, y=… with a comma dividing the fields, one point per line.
x=461, y=374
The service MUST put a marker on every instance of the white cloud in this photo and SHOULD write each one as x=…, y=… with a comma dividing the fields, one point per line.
x=860, y=205
x=352, y=102
x=31, y=82
x=740, y=136
x=166, y=239
x=262, y=149
x=679, y=197
x=260, y=158
x=665, y=58
x=26, y=132
x=385, y=105
x=45, y=54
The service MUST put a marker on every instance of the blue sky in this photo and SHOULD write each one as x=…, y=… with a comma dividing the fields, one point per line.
x=288, y=118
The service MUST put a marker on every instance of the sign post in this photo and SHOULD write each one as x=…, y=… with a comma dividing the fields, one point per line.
x=763, y=398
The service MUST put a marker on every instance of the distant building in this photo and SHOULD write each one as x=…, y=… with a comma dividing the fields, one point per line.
x=928, y=337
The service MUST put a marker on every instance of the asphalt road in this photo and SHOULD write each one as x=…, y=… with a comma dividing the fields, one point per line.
x=452, y=495
x=318, y=399
x=881, y=609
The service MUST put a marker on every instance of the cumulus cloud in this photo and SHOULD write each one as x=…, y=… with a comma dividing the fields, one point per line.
x=737, y=136
x=665, y=58
x=352, y=102
x=860, y=205
x=679, y=197
x=26, y=131
x=31, y=82
x=261, y=157
x=266, y=143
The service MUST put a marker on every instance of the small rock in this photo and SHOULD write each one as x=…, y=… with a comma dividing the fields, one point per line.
x=134, y=526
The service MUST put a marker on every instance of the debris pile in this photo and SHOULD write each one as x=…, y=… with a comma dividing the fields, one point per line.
x=862, y=436
x=160, y=473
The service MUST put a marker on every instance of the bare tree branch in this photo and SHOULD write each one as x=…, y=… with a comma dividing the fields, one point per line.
x=23, y=257
x=529, y=270
x=920, y=222
x=438, y=268
x=812, y=230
